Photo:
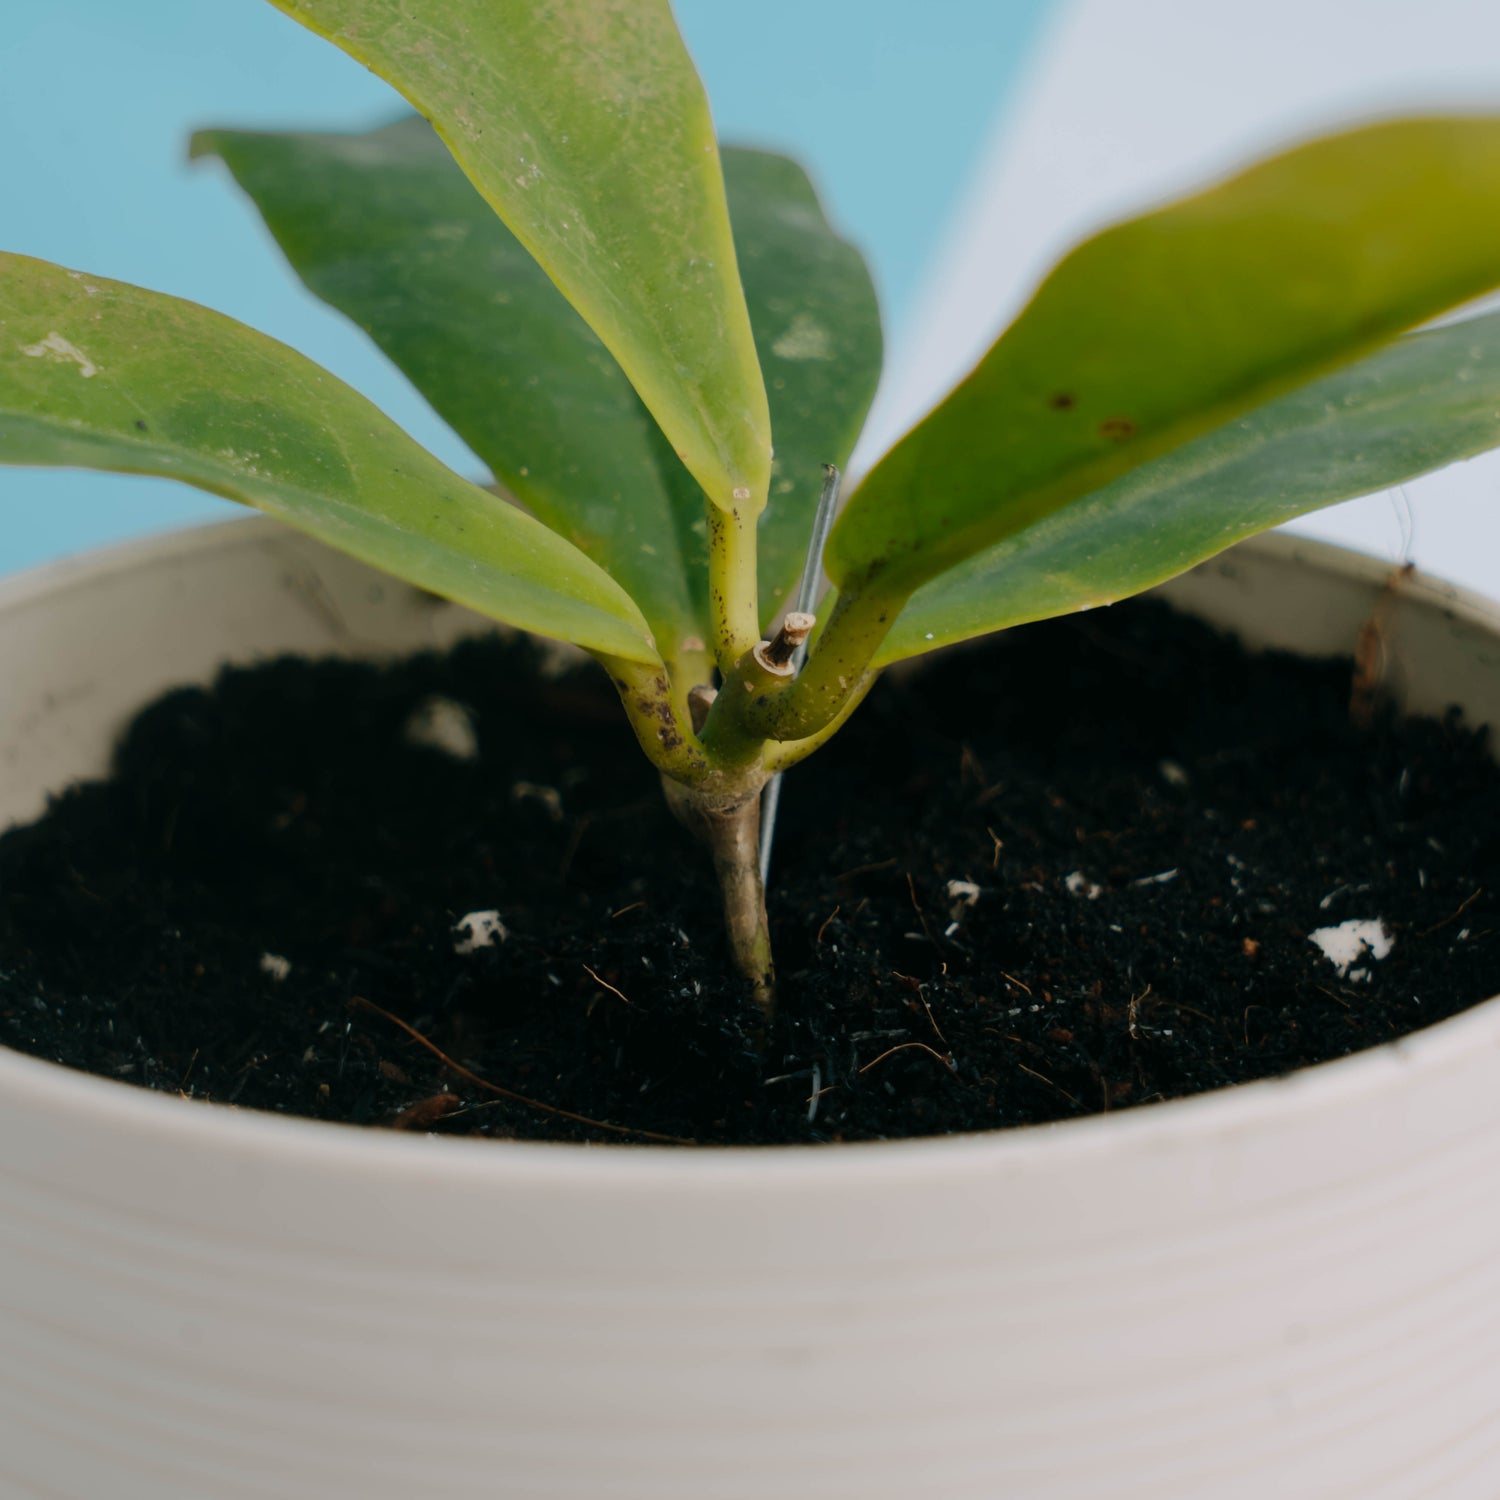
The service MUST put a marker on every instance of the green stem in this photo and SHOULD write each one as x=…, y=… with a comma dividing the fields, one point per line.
x=781, y=755
x=658, y=715
x=685, y=670
x=836, y=675
x=713, y=780
x=733, y=592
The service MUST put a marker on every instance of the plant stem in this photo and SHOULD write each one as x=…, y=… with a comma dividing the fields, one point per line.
x=658, y=715
x=730, y=826
x=733, y=592
x=718, y=799
x=836, y=675
x=782, y=755
x=758, y=723
x=686, y=669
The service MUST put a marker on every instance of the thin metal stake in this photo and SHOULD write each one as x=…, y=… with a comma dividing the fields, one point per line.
x=808, y=589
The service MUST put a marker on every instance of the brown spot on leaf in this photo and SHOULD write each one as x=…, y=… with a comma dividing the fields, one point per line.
x=1063, y=401
x=1117, y=429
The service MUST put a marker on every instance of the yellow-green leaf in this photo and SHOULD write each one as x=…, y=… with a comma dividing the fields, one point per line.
x=584, y=126
x=97, y=374
x=384, y=226
x=1425, y=401
x=1169, y=325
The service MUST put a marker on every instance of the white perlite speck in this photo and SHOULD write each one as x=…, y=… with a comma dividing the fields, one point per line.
x=276, y=966
x=965, y=891
x=1078, y=884
x=1350, y=942
x=443, y=724
x=479, y=929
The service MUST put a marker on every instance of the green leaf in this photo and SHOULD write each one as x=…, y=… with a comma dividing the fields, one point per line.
x=817, y=329
x=1425, y=401
x=584, y=126
x=1164, y=327
x=96, y=374
x=386, y=228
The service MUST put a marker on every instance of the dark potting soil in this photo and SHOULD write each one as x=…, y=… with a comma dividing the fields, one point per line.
x=1074, y=869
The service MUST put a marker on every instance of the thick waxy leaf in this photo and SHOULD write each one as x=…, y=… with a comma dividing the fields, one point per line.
x=584, y=125
x=817, y=327
x=386, y=228
x=96, y=374
x=1166, y=326
x=1422, y=402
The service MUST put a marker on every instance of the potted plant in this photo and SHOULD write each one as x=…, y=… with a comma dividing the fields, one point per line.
x=1276, y=1288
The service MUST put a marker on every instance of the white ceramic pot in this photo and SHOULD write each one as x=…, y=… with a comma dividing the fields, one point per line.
x=1290, y=1289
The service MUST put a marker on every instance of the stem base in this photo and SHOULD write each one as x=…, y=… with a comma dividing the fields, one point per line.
x=730, y=826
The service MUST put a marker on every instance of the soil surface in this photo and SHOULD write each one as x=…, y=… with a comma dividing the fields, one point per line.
x=1074, y=869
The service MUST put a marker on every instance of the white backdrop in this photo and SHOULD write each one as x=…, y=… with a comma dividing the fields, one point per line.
x=1129, y=101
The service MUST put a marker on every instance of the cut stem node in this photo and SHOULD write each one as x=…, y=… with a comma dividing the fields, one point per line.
x=795, y=629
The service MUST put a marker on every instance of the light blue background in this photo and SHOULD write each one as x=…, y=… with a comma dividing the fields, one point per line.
x=888, y=102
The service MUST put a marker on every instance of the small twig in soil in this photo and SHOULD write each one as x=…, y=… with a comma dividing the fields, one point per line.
x=999, y=845
x=812, y=1100
x=503, y=1093
x=911, y=885
x=1012, y=978
x=826, y=923
x=917, y=985
x=1042, y=1077
x=947, y=1062
x=606, y=984
x=1453, y=915
x=817, y=1093
x=634, y=906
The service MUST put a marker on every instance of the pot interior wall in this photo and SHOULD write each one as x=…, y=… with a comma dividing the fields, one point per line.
x=163, y=615
x=1434, y=644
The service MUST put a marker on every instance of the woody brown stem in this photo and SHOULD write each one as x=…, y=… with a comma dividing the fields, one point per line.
x=730, y=826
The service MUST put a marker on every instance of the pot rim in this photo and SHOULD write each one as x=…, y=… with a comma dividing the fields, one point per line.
x=119, y=1107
